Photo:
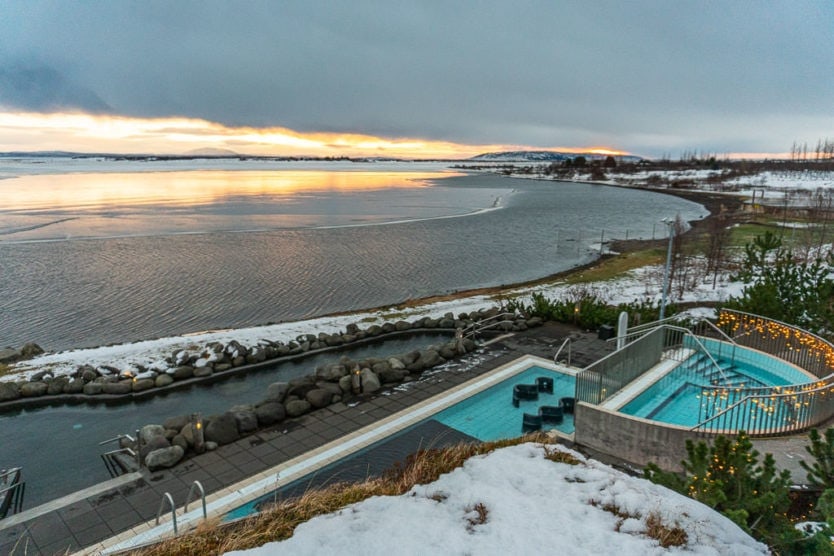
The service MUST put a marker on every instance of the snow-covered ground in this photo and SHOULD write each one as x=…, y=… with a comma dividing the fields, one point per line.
x=528, y=505
x=640, y=284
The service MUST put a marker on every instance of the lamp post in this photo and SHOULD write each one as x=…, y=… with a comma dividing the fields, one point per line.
x=670, y=224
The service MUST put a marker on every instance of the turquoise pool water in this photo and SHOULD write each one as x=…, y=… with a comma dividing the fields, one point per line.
x=680, y=397
x=490, y=415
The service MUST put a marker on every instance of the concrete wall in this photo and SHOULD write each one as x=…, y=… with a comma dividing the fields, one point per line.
x=637, y=441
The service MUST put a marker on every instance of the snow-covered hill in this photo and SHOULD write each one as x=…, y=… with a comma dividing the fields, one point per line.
x=542, y=156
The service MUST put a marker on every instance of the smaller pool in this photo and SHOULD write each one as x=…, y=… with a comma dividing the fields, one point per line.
x=490, y=415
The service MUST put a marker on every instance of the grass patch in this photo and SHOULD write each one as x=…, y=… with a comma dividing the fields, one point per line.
x=667, y=536
x=476, y=515
x=613, y=267
x=278, y=521
x=4, y=369
x=560, y=456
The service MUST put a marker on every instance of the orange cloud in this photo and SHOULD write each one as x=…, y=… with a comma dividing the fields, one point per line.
x=80, y=132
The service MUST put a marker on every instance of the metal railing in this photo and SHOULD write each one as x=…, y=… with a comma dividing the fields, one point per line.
x=196, y=486
x=601, y=380
x=567, y=343
x=494, y=321
x=12, y=491
x=166, y=497
x=787, y=342
x=113, y=462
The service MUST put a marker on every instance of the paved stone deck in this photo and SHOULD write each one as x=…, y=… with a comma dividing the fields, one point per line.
x=81, y=522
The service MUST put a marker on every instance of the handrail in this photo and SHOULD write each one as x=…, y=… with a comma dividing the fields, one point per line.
x=558, y=351
x=202, y=497
x=704, y=350
x=480, y=325
x=11, y=497
x=167, y=496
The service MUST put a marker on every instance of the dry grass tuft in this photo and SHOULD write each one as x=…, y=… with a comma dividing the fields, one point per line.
x=278, y=521
x=476, y=515
x=665, y=535
x=559, y=456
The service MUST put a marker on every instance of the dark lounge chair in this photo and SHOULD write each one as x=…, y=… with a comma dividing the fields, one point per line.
x=525, y=392
x=545, y=384
x=530, y=423
x=567, y=405
x=551, y=414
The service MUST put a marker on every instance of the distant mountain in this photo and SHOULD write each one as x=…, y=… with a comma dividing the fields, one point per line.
x=209, y=151
x=542, y=156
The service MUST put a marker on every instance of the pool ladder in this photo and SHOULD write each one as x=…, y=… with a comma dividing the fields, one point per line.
x=166, y=497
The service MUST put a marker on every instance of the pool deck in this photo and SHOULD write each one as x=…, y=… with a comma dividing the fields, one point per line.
x=99, y=519
x=89, y=521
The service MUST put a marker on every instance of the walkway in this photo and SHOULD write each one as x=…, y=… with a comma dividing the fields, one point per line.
x=83, y=520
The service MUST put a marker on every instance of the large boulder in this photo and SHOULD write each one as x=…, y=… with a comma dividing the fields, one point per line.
x=222, y=429
x=430, y=358
x=93, y=388
x=245, y=417
x=331, y=373
x=164, y=457
x=177, y=423
x=319, y=398
x=56, y=385
x=30, y=349
x=9, y=391
x=370, y=381
x=163, y=380
x=148, y=432
x=296, y=408
x=153, y=444
x=74, y=386
x=182, y=372
x=277, y=391
x=389, y=375
x=33, y=389
x=9, y=355
x=117, y=388
x=270, y=412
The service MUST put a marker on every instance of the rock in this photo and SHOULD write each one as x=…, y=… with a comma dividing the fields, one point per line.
x=447, y=352
x=430, y=358
x=402, y=325
x=89, y=374
x=389, y=375
x=182, y=372
x=148, y=432
x=269, y=413
x=346, y=383
x=446, y=322
x=164, y=457
x=33, y=389
x=200, y=372
x=374, y=330
x=380, y=366
x=56, y=385
x=238, y=361
x=117, y=388
x=245, y=418
x=300, y=386
x=154, y=443
x=388, y=327
x=75, y=386
x=93, y=388
x=277, y=391
x=142, y=384
x=352, y=328
x=296, y=408
x=331, y=387
x=534, y=322
x=319, y=398
x=331, y=373
x=222, y=429
x=177, y=422
x=370, y=381
x=220, y=367
x=179, y=440
x=396, y=363
x=38, y=377
x=8, y=391
x=430, y=323
x=9, y=355
x=163, y=380
x=211, y=446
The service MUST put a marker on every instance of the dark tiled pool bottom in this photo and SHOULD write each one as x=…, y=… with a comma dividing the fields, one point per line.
x=367, y=463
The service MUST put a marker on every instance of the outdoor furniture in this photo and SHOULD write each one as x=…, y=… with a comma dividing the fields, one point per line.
x=567, y=405
x=545, y=384
x=551, y=414
x=525, y=392
x=530, y=423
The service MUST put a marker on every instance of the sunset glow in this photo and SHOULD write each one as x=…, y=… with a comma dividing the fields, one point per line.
x=88, y=133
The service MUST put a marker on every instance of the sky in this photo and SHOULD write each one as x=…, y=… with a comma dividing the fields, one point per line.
x=417, y=78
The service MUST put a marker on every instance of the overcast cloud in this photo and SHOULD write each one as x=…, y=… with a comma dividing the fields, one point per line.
x=647, y=77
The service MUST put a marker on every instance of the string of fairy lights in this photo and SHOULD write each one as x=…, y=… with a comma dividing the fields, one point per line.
x=770, y=408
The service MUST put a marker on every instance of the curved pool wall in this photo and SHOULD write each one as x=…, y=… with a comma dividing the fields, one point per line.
x=73, y=432
x=678, y=398
x=776, y=370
